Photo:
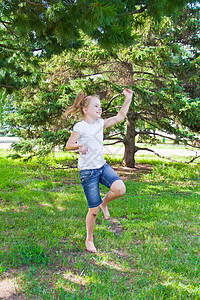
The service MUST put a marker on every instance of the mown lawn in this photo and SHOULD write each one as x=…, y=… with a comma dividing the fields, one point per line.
x=149, y=249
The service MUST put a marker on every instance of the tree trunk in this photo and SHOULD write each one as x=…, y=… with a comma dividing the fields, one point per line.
x=130, y=148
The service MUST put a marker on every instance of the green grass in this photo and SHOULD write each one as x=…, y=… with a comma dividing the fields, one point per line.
x=148, y=250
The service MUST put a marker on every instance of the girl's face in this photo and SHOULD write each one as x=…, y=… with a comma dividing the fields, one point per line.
x=93, y=110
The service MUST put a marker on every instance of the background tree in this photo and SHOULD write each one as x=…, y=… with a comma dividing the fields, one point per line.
x=31, y=30
x=157, y=69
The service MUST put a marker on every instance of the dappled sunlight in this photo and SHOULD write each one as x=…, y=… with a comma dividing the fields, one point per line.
x=7, y=288
x=164, y=207
x=46, y=204
x=77, y=278
x=105, y=260
x=15, y=209
x=53, y=207
x=180, y=283
x=61, y=208
x=150, y=245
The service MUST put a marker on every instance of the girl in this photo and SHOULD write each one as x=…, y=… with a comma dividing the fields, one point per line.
x=87, y=138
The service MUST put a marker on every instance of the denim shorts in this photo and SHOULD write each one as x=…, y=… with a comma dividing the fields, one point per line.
x=90, y=179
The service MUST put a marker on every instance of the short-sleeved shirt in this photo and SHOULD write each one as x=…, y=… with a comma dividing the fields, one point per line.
x=92, y=137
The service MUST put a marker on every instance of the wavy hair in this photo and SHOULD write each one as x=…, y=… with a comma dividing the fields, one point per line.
x=81, y=101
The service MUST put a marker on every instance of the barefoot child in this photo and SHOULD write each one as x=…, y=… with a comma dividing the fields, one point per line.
x=87, y=138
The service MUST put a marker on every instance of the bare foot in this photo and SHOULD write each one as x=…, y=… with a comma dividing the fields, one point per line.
x=90, y=246
x=105, y=212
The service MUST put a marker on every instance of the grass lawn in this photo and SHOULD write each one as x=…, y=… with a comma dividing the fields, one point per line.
x=149, y=249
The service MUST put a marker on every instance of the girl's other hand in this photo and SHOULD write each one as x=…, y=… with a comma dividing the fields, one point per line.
x=83, y=149
x=128, y=94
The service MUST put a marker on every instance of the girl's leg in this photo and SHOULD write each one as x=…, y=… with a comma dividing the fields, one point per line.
x=117, y=190
x=90, y=222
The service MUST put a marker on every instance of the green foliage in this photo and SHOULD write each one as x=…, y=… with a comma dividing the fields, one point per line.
x=31, y=30
x=161, y=66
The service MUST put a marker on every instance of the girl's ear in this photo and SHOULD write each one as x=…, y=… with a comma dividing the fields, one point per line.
x=84, y=110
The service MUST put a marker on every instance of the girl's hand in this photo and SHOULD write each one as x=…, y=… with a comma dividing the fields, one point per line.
x=128, y=94
x=83, y=149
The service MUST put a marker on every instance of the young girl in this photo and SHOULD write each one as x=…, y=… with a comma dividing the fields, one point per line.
x=87, y=138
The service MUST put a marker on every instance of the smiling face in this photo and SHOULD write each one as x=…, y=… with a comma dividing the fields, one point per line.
x=93, y=111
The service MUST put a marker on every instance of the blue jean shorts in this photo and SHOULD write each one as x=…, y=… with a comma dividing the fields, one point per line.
x=90, y=179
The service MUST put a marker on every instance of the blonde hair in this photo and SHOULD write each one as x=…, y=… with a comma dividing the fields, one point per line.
x=81, y=101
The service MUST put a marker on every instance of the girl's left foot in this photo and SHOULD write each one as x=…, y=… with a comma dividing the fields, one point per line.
x=105, y=212
x=90, y=246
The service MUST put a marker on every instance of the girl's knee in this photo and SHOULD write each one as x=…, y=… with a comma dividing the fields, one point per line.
x=118, y=187
x=122, y=189
x=94, y=211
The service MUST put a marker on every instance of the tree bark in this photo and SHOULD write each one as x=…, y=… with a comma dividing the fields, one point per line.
x=130, y=147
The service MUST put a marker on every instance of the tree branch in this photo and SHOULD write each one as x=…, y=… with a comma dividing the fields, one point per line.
x=106, y=111
x=9, y=47
x=8, y=29
x=114, y=143
x=193, y=159
x=36, y=4
x=8, y=86
x=168, y=137
x=113, y=98
x=115, y=134
x=134, y=12
x=168, y=158
x=99, y=73
x=145, y=132
x=147, y=73
x=5, y=22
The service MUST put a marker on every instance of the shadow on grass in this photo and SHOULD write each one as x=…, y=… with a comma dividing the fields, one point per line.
x=148, y=250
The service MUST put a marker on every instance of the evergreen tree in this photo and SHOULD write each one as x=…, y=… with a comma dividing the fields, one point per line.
x=30, y=30
x=162, y=73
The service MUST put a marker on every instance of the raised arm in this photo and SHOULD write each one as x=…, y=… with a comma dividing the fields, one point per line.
x=122, y=112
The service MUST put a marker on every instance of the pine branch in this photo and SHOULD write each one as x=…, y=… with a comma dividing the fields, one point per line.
x=134, y=12
x=158, y=134
x=140, y=72
x=16, y=49
x=148, y=73
x=8, y=86
x=6, y=22
x=114, y=143
x=113, y=98
x=106, y=111
x=155, y=116
x=168, y=158
x=143, y=79
x=115, y=134
x=89, y=75
x=9, y=47
x=168, y=137
x=193, y=159
x=8, y=29
x=36, y=4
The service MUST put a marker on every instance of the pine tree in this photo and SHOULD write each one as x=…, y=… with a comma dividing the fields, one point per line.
x=30, y=30
x=159, y=68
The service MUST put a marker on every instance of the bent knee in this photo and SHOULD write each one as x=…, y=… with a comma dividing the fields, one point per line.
x=122, y=189
x=119, y=188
